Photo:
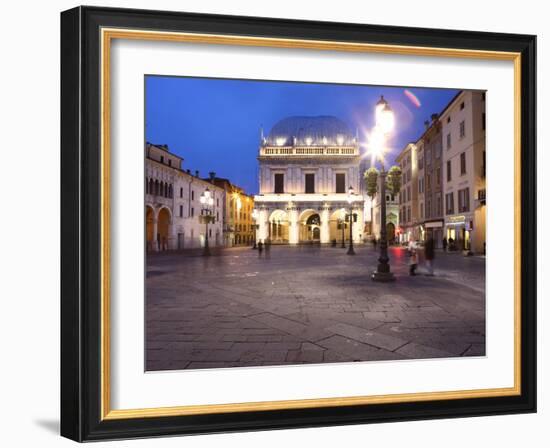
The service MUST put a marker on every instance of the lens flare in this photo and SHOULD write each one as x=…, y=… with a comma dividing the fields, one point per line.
x=412, y=97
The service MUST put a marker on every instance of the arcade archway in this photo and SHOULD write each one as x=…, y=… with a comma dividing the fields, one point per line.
x=163, y=228
x=278, y=227
x=310, y=226
x=149, y=227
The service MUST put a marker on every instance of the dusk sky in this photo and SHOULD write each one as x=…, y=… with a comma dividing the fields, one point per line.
x=214, y=124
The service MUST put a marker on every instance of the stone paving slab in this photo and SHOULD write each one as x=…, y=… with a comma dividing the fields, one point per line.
x=307, y=305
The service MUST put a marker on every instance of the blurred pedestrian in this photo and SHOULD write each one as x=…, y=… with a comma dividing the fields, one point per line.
x=429, y=255
x=267, y=248
x=260, y=248
x=413, y=259
x=444, y=244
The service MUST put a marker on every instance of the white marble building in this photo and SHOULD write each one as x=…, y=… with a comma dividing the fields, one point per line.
x=306, y=166
x=172, y=204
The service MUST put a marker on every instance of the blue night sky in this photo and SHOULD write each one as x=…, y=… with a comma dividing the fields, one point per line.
x=214, y=124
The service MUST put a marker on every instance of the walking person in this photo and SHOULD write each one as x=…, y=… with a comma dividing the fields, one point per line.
x=260, y=249
x=267, y=248
x=445, y=244
x=429, y=255
x=413, y=258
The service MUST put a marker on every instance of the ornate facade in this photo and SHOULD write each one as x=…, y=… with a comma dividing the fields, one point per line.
x=306, y=165
x=172, y=204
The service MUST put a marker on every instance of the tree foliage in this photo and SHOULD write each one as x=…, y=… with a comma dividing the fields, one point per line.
x=393, y=179
x=371, y=180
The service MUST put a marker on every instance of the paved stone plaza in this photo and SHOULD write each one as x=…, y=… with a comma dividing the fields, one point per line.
x=308, y=304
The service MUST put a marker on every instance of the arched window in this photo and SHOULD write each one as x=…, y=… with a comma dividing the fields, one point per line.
x=151, y=186
x=157, y=189
x=146, y=186
x=171, y=195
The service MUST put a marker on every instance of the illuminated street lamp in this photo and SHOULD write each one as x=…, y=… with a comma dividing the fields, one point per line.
x=351, y=198
x=255, y=217
x=207, y=216
x=385, y=122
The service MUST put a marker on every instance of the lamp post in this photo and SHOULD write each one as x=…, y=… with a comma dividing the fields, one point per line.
x=350, y=202
x=207, y=202
x=255, y=216
x=384, y=125
x=343, y=226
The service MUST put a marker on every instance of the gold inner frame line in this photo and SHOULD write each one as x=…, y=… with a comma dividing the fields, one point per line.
x=107, y=35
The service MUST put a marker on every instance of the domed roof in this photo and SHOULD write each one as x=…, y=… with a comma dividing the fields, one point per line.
x=322, y=130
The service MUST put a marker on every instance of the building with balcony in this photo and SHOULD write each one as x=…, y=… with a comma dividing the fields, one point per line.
x=238, y=225
x=463, y=129
x=172, y=204
x=409, y=217
x=306, y=165
x=433, y=181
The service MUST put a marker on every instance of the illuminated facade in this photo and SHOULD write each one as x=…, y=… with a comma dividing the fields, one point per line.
x=306, y=166
x=463, y=123
x=238, y=225
x=172, y=204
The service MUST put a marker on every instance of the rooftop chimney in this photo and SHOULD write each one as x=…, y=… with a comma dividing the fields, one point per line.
x=212, y=175
x=188, y=171
x=426, y=124
x=434, y=117
x=196, y=173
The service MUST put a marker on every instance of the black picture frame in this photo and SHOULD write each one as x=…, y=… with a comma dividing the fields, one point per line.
x=81, y=224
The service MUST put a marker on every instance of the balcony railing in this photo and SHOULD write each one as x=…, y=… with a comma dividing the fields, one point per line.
x=309, y=151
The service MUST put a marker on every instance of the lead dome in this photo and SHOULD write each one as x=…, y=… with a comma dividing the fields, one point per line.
x=324, y=130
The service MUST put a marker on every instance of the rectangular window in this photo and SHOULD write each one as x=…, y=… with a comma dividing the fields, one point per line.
x=340, y=182
x=181, y=211
x=310, y=183
x=192, y=195
x=428, y=208
x=462, y=105
x=464, y=200
x=483, y=121
x=408, y=214
x=169, y=162
x=449, y=140
x=429, y=182
x=462, y=163
x=279, y=183
x=438, y=204
x=181, y=192
x=449, y=174
x=192, y=212
x=161, y=159
x=421, y=209
x=462, y=129
x=449, y=204
x=437, y=177
x=409, y=196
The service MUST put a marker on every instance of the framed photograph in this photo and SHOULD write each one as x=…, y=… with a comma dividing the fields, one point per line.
x=273, y=223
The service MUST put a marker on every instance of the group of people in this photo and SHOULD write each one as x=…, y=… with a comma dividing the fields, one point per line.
x=429, y=255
